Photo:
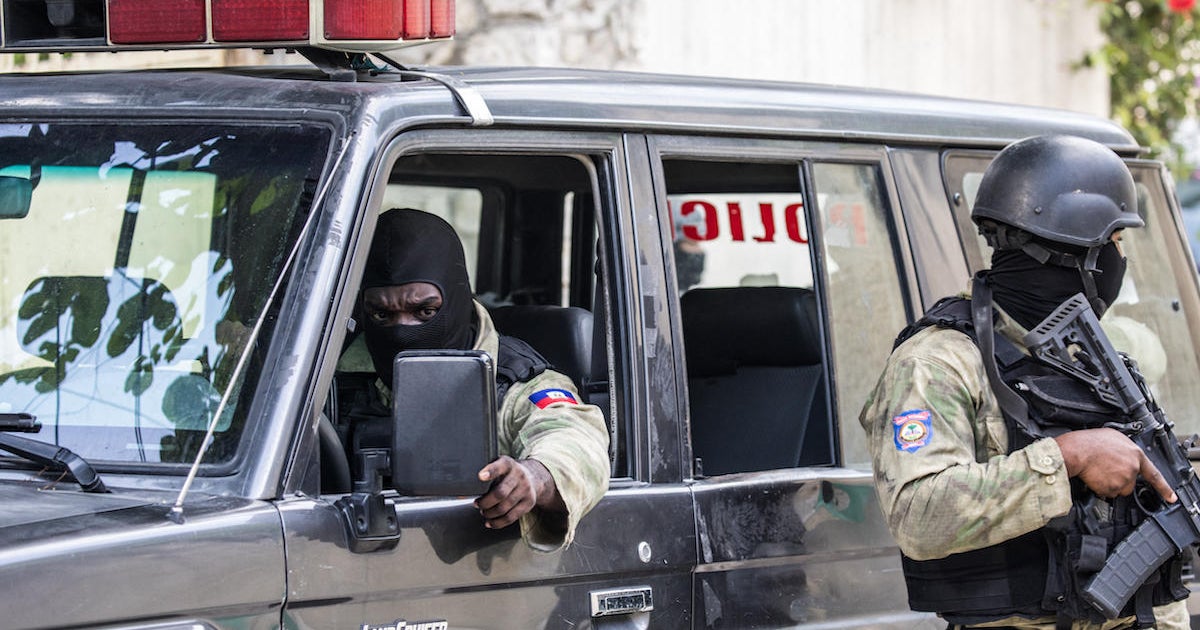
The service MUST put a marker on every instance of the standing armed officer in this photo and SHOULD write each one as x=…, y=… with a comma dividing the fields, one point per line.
x=978, y=499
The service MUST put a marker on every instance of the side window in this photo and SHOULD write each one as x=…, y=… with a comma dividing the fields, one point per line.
x=865, y=304
x=1154, y=316
x=1149, y=319
x=530, y=230
x=757, y=382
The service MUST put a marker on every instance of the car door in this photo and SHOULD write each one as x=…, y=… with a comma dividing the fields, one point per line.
x=789, y=289
x=546, y=221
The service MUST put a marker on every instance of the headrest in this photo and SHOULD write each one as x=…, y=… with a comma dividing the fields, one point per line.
x=724, y=328
x=561, y=334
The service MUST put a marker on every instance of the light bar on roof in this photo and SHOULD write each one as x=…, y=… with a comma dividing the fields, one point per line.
x=160, y=21
x=259, y=20
x=345, y=25
x=364, y=19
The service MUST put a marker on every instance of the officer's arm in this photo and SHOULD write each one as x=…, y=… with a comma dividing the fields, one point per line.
x=943, y=481
x=518, y=487
x=569, y=440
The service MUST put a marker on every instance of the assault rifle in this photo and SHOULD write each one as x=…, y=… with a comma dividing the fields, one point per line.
x=1071, y=340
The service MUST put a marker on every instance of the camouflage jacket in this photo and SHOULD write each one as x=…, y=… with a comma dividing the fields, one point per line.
x=568, y=438
x=945, y=480
x=939, y=448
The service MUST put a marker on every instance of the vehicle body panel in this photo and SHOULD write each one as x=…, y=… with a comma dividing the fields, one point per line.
x=120, y=559
x=261, y=545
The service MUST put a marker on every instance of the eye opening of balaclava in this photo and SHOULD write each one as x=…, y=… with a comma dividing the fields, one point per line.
x=1031, y=280
x=415, y=246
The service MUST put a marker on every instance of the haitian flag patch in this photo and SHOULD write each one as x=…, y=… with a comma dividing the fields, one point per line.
x=548, y=397
x=913, y=428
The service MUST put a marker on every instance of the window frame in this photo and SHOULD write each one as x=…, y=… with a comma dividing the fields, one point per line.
x=603, y=156
x=843, y=415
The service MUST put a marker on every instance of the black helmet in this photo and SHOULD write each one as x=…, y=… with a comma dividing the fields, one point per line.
x=1061, y=189
x=1059, y=199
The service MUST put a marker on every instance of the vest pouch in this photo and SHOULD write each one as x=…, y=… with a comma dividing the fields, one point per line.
x=1062, y=402
x=987, y=583
x=1071, y=567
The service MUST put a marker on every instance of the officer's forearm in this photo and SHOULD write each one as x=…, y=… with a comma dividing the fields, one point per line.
x=548, y=497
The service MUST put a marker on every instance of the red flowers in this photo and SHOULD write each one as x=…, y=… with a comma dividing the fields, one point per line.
x=1181, y=6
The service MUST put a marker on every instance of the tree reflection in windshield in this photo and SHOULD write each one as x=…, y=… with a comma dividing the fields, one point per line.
x=128, y=289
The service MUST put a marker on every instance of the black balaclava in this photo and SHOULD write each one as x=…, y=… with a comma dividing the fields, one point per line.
x=1029, y=290
x=415, y=246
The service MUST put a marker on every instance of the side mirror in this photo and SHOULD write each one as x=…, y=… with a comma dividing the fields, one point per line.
x=443, y=422
x=16, y=194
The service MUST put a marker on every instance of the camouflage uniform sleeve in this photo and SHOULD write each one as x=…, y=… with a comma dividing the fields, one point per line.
x=570, y=440
x=938, y=444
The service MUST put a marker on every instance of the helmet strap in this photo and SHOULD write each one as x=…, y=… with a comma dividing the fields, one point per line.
x=1087, y=271
x=1005, y=237
x=1085, y=264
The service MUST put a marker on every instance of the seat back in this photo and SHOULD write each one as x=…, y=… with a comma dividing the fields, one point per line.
x=755, y=375
x=561, y=334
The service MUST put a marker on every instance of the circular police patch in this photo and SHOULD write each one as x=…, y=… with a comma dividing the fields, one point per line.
x=913, y=428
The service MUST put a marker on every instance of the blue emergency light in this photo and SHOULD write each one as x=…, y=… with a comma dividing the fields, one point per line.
x=111, y=25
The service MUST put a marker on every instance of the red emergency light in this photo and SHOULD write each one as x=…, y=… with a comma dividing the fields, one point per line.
x=259, y=20
x=345, y=25
x=416, y=18
x=364, y=19
x=156, y=21
x=441, y=14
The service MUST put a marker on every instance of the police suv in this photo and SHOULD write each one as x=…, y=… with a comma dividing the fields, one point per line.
x=720, y=265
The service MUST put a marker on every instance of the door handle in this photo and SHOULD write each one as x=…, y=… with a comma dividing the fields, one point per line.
x=622, y=601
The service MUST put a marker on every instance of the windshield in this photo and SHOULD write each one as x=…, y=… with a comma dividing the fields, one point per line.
x=132, y=275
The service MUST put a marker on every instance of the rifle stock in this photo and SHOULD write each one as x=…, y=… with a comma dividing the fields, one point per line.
x=1072, y=340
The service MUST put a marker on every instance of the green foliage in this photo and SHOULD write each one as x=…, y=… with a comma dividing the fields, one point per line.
x=1153, y=59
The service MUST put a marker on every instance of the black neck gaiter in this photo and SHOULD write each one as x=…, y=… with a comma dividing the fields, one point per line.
x=415, y=246
x=1029, y=291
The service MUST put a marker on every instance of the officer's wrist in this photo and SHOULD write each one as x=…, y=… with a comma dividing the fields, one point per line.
x=546, y=490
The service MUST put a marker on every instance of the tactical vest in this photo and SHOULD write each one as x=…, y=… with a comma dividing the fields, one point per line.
x=1039, y=574
x=516, y=362
x=362, y=403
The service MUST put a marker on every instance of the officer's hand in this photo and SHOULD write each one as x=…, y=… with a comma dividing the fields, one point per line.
x=517, y=487
x=1109, y=463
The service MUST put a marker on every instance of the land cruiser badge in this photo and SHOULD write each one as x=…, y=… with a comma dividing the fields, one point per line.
x=401, y=624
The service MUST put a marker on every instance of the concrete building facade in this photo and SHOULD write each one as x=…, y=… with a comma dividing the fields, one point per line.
x=1022, y=51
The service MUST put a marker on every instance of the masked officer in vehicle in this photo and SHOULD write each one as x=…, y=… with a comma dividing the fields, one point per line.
x=968, y=492
x=554, y=466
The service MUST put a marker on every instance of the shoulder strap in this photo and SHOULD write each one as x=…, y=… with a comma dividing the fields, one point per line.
x=1011, y=403
x=949, y=312
x=974, y=318
x=517, y=362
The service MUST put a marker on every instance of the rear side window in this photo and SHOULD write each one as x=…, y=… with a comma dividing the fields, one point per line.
x=757, y=284
x=757, y=387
